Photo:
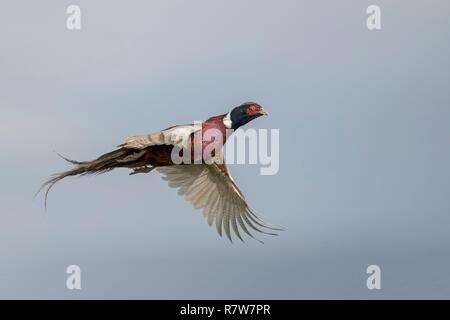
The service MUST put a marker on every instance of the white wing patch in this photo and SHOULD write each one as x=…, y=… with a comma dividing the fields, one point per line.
x=177, y=136
x=212, y=188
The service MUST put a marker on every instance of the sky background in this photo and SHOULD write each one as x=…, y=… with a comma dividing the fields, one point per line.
x=364, y=147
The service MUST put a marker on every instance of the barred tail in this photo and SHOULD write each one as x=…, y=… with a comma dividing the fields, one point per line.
x=104, y=163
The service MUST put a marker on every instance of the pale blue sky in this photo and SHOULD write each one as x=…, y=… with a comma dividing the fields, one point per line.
x=364, y=158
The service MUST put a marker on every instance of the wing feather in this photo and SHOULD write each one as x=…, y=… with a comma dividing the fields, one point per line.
x=226, y=216
x=211, y=187
x=177, y=136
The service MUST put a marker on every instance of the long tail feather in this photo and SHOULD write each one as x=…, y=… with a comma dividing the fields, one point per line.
x=104, y=163
x=48, y=185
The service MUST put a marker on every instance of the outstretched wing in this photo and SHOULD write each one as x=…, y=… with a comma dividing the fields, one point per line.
x=177, y=136
x=211, y=187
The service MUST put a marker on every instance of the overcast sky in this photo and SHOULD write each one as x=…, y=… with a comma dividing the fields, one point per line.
x=364, y=147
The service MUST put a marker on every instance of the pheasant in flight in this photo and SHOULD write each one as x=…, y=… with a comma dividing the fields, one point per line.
x=205, y=182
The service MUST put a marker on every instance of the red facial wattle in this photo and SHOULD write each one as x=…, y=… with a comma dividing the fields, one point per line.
x=253, y=109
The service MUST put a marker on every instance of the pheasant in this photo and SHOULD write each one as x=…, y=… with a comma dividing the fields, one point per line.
x=204, y=179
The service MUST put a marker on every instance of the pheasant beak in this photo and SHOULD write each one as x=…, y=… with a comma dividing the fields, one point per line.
x=263, y=112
